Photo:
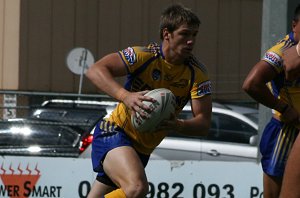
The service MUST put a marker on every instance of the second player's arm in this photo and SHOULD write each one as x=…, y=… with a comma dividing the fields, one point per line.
x=255, y=86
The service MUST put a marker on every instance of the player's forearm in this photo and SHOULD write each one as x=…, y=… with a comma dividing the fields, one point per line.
x=197, y=126
x=263, y=95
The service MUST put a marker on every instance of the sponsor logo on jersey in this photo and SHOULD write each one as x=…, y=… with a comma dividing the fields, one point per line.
x=156, y=74
x=129, y=55
x=273, y=58
x=204, y=88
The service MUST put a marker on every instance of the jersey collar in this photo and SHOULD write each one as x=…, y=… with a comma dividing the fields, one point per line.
x=161, y=51
x=291, y=36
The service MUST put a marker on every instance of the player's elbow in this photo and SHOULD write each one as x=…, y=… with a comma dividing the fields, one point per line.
x=197, y=130
x=206, y=129
x=246, y=86
x=205, y=125
x=90, y=73
x=249, y=86
x=203, y=128
x=95, y=73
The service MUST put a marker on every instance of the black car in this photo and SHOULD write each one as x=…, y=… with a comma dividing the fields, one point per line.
x=38, y=137
x=54, y=128
x=80, y=113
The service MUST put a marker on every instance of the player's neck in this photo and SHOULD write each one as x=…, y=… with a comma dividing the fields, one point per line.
x=171, y=56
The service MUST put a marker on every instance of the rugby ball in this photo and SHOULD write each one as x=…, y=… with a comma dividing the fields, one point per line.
x=162, y=109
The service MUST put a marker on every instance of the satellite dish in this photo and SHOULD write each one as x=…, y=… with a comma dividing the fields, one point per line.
x=79, y=60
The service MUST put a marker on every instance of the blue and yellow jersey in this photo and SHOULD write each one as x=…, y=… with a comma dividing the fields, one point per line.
x=286, y=90
x=147, y=70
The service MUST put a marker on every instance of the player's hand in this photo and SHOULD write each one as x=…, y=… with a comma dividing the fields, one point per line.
x=134, y=101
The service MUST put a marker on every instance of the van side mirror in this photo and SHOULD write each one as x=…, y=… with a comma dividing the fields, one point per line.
x=253, y=140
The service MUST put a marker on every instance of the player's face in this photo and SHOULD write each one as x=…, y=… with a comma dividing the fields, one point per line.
x=296, y=29
x=182, y=40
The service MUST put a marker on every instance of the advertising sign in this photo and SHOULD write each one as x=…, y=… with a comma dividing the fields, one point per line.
x=22, y=177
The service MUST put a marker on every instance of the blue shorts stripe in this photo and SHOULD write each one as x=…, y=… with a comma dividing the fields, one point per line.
x=275, y=145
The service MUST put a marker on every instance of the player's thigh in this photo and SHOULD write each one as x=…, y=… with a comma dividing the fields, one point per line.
x=123, y=166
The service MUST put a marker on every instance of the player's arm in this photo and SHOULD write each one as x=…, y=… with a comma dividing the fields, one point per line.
x=199, y=125
x=255, y=86
x=103, y=74
x=291, y=61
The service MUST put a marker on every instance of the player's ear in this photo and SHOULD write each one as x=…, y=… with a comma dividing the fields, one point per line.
x=294, y=23
x=166, y=34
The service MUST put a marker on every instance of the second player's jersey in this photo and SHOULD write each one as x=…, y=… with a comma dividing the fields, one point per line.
x=288, y=91
x=147, y=70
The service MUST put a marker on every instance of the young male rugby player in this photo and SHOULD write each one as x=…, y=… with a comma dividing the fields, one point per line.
x=267, y=84
x=119, y=152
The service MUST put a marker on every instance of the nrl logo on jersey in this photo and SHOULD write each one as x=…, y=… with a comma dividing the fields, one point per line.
x=273, y=58
x=156, y=74
x=130, y=55
x=204, y=88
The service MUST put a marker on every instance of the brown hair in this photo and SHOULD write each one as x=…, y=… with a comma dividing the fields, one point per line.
x=174, y=16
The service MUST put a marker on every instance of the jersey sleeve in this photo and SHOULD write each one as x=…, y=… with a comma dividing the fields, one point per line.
x=274, y=57
x=134, y=57
x=202, y=85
